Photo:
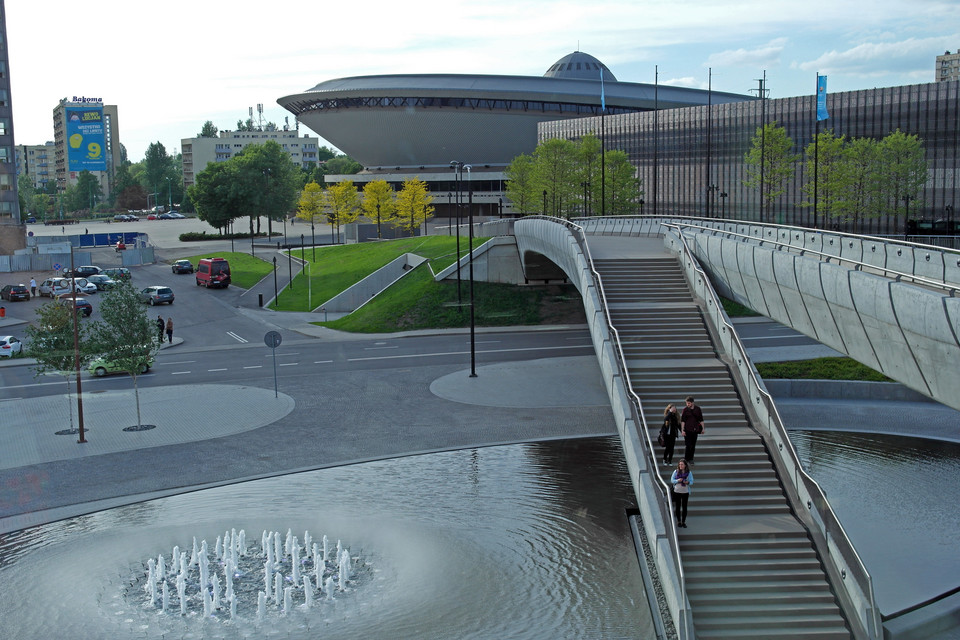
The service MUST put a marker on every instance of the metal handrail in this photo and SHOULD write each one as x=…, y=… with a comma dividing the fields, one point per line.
x=636, y=409
x=826, y=257
x=871, y=618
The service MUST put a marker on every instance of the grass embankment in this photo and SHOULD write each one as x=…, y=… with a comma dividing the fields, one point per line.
x=417, y=301
x=821, y=369
x=245, y=270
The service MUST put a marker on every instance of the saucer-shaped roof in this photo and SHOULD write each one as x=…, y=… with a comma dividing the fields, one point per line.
x=581, y=66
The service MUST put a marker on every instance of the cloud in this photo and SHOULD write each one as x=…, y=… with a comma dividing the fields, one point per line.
x=913, y=56
x=766, y=55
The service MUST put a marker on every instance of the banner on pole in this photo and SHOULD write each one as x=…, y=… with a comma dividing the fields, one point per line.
x=822, y=98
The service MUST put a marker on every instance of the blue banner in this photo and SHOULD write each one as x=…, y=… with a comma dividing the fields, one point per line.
x=85, y=139
x=603, y=99
x=822, y=98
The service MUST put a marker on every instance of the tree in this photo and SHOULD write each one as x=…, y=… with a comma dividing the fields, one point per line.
x=413, y=205
x=269, y=182
x=27, y=194
x=902, y=172
x=52, y=344
x=208, y=130
x=379, y=202
x=125, y=335
x=127, y=192
x=86, y=193
x=311, y=204
x=341, y=166
x=769, y=162
x=158, y=166
x=214, y=194
x=859, y=182
x=522, y=186
x=342, y=204
x=590, y=154
x=824, y=159
x=556, y=162
x=623, y=186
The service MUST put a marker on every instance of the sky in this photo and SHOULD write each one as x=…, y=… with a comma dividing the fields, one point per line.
x=172, y=66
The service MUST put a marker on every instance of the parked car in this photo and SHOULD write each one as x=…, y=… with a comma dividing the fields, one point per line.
x=103, y=366
x=31, y=220
x=117, y=273
x=82, y=271
x=213, y=272
x=84, y=286
x=176, y=215
x=157, y=295
x=120, y=247
x=10, y=346
x=83, y=306
x=54, y=287
x=102, y=281
x=182, y=266
x=13, y=292
x=165, y=216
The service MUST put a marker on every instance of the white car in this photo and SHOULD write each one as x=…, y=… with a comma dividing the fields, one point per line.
x=54, y=287
x=84, y=286
x=9, y=346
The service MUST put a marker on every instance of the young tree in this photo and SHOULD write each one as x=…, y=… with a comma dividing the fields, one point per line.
x=824, y=159
x=589, y=158
x=87, y=192
x=269, y=182
x=52, y=343
x=310, y=206
x=27, y=194
x=208, y=130
x=342, y=204
x=157, y=167
x=556, y=162
x=623, y=186
x=215, y=195
x=379, y=201
x=413, y=205
x=769, y=162
x=902, y=172
x=522, y=185
x=859, y=182
x=125, y=335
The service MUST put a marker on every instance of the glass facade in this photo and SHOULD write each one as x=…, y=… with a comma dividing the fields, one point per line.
x=691, y=160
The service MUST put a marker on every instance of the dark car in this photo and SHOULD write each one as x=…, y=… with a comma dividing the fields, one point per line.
x=13, y=292
x=118, y=273
x=182, y=266
x=81, y=271
x=102, y=282
x=31, y=220
x=83, y=307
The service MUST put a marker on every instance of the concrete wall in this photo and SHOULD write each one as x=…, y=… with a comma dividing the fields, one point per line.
x=496, y=260
x=363, y=291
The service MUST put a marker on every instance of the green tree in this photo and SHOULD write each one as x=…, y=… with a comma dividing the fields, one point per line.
x=556, y=162
x=53, y=346
x=824, y=159
x=216, y=194
x=158, y=166
x=379, y=202
x=125, y=335
x=522, y=185
x=269, y=182
x=208, y=130
x=342, y=204
x=859, y=182
x=902, y=172
x=769, y=163
x=413, y=205
x=27, y=194
x=342, y=166
x=590, y=153
x=623, y=186
x=127, y=192
x=85, y=194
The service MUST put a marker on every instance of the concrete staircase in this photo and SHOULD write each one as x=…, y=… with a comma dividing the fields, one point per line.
x=751, y=569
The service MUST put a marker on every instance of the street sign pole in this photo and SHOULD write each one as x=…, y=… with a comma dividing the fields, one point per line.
x=272, y=339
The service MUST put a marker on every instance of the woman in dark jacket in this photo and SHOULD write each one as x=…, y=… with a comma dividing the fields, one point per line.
x=671, y=429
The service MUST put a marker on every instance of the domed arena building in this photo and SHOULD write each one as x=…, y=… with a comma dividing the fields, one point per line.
x=415, y=125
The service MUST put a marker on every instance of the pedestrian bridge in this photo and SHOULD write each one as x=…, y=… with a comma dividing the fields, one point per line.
x=766, y=557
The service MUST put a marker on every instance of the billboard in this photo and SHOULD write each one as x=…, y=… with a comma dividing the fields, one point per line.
x=85, y=138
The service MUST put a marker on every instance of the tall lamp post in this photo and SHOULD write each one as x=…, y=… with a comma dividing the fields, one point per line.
x=473, y=324
x=378, y=221
x=544, y=202
x=723, y=205
x=457, y=167
x=711, y=189
x=449, y=214
x=169, y=194
x=313, y=241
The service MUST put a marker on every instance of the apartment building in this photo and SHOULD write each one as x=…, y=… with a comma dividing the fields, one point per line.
x=199, y=152
x=37, y=161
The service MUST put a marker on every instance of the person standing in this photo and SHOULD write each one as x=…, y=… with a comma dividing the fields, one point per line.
x=161, y=326
x=670, y=430
x=170, y=330
x=33, y=287
x=681, y=479
x=692, y=421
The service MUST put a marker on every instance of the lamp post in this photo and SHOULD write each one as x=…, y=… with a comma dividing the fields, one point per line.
x=313, y=241
x=500, y=208
x=276, y=290
x=544, y=202
x=449, y=214
x=473, y=324
x=641, y=206
x=231, y=236
x=906, y=202
x=723, y=205
x=711, y=189
x=378, y=221
x=457, y=167
x=169, y=194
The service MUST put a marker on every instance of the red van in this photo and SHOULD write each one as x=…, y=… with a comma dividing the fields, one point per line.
x=213, y=272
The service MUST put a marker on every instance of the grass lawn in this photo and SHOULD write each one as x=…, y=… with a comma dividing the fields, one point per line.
x=245, y=270
x=339, y=267
x=737, y=310
x=821, y=369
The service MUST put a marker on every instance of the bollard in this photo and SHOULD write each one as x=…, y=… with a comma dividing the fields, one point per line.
x=3, y=312
x=261, y=298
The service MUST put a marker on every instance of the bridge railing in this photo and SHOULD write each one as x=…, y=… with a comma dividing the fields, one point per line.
x=851, y=579
x=909, y=259
x=675, y=593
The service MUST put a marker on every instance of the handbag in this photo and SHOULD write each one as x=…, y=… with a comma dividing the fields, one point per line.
x=662, y=438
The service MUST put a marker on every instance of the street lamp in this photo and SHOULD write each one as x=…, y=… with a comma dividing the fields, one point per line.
x=641, y=206
x=711, y=189
x=500, y=208
x=544, y=202
x=378, y=221
x=169, y=194
x=473, y=324
x=449, y=214
x=723, y=205
x=457, y=167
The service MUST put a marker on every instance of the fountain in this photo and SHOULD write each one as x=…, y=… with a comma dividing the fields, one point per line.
x=250, y=579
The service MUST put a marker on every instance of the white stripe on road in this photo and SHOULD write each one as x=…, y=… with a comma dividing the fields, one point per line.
x=236, y=337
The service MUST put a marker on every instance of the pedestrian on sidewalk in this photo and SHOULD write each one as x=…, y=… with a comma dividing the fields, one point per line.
x=170, y=330
x=681, y=479
x=692, y=421
x=161, y=326
x=670, y=431
x=33, y=287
